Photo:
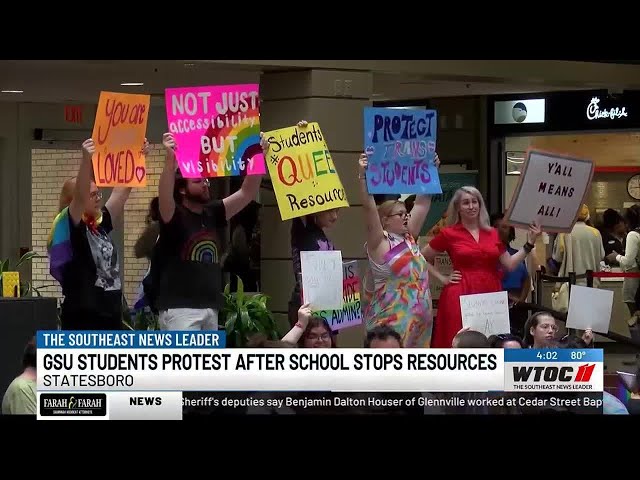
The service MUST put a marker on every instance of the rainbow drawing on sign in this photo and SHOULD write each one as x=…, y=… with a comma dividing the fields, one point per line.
x=351, y=312
x=217, y=130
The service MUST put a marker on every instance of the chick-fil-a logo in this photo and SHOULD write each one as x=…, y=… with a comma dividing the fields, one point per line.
x=594, y=112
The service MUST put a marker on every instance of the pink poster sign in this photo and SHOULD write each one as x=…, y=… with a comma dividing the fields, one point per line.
x=217, y=130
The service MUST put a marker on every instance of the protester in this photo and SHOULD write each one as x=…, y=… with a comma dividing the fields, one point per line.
x=505, y=341
x=518, y=282
x=476, y=253
x=189, y=290
x=143, y=247
x=383, y=337
x=20, y=397
x=540, y=331
x=82, y=255
x=397, y=286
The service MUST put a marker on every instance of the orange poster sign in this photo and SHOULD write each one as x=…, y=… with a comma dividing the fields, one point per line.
x=119, y=132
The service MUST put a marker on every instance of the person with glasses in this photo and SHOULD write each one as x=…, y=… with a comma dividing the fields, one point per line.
x=397, y=283
x=310, y=331
x=82, y=256
x=477, y=255
x=540, y=331
x=186, y=272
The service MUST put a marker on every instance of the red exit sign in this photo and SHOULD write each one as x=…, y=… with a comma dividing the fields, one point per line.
x=73, y=114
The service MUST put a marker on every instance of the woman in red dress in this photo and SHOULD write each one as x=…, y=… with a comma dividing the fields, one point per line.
x=476, y=253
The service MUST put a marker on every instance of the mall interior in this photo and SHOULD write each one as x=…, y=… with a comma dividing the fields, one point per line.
x=47, y=109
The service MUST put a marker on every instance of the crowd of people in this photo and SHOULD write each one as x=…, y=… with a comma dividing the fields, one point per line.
x=184, y=281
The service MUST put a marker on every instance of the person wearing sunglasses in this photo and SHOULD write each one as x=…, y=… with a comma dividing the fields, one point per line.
x=186, y=271
x=82, y=255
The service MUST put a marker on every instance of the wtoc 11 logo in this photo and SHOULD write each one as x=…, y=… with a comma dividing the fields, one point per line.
x=552, y=371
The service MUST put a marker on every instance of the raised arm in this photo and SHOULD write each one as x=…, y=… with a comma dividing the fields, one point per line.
x=120, y=195
x=420, y=209
x=166, y=203
x=294, y=335
x=511, y=262
x=240, y=199
x=419, y=214
x=375, y=233
x=82, y=188
x=235, y=202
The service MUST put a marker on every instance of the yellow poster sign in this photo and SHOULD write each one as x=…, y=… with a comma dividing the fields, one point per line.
x=302, y=172
x=118, y=132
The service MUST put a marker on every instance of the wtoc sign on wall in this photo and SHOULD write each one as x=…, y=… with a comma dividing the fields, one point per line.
x=594, y=112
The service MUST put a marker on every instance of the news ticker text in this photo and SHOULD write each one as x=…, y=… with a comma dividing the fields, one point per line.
x=181, y=405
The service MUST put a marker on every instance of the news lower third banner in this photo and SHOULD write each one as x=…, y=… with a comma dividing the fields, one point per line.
x=170, y=375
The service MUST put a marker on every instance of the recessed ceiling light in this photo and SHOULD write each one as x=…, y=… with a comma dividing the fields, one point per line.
x=12, y=91
x=132, y=84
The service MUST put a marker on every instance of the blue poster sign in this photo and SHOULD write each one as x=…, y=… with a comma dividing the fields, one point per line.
x=401, y=145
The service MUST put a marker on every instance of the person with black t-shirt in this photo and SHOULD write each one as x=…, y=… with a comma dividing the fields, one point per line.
x=82, y=256
x=189, y=290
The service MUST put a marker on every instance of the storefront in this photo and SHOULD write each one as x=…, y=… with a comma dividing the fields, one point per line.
x=594, y=124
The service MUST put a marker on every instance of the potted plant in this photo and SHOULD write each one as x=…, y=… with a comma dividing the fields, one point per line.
x=245, y=314
x=26, y=288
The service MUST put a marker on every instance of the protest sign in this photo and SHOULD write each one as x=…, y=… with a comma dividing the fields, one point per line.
x=118, y=133
x=351, y=312
x=303, y=174
x=217, y=130
x=401, y=144
x=551, y=190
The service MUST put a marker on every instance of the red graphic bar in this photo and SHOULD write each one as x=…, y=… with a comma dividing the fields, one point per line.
x=620, y=169
x=616, y=274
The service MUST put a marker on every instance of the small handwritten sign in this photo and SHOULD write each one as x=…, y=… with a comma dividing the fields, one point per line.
x=322, y=279
x=444, y=266
x=351, y=312
x=487, y=313
x=304, y=177
x=551, y=190
x=118, y=132
x=217, y=129
x=401, y=145
x=590, y=308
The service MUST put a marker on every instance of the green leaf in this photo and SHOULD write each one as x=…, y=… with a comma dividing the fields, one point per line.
x=25, y=289
x=245, y=319
x=4, y=266
x=240, y=297
x=230, y=324
x=26, y=257
x=227, y=289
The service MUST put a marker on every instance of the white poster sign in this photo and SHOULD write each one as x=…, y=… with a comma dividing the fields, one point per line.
x=590, y=308
x=551, y=190
x=322, y=279
x=487, y=313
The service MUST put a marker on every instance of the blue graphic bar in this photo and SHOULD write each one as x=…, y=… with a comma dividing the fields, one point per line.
x=554, y=355
x=130, y=339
